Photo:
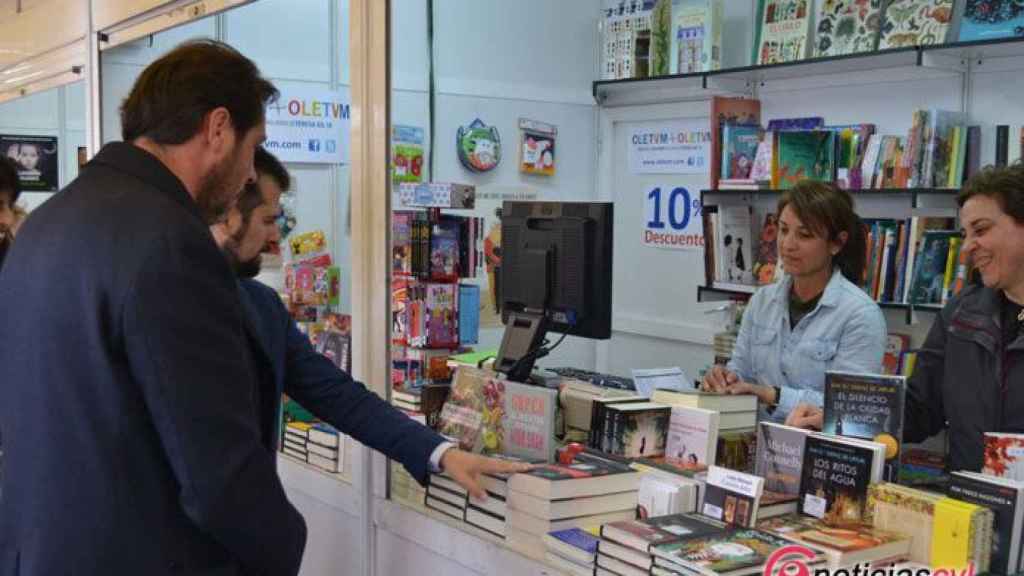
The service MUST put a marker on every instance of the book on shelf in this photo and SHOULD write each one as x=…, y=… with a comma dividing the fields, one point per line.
x=588, y=475
x=1004, y=455
x=847, y=27
x=782, y=32
x=469, y=314
x=988, y=20
x=437, y=195
x=766, y=269
x=870, y=407
x=895, y=345
x=728, y=110
x=695, y=36
x=801, y=123
x=836, y=474
x=739, y=148
x=1005, y=498
x=908, y=23
x=732, y=497
x=849, y=545
x=929, y=278
x=743, y=184
x=731, y=235
x=779, y=460
x=803, y=155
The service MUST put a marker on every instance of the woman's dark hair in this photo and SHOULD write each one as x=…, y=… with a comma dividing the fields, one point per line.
x=828, y=212
x=175, y=92
x=10, y=184
x=1004, y=184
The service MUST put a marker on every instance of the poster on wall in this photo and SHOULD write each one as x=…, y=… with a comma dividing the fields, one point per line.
x=406, y=154
x=537, y=147
x=37, y=160
x=670, y=147
x=309, y=125
x=488, y=200
x=479, y=146
x=672, y=216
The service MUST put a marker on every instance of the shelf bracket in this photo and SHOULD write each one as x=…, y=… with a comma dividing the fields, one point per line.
x=725, y=84
x=948, y=62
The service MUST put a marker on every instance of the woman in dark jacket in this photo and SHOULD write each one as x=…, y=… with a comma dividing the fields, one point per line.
x=969, y=375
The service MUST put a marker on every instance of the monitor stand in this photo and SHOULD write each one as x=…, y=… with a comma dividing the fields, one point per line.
x=521, y=345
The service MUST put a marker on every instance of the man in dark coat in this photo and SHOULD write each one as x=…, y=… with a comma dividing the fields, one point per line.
x=127, y=405
x=295, y=368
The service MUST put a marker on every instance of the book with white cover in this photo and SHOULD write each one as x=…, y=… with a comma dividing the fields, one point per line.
x=732, y=497
x=692, y=435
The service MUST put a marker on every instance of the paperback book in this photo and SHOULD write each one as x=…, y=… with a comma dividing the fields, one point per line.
x=1006, y=500
x=732, y=497
x=836, y=475
x=779, y=460
x=867, y=406
x=847, y=27
x=782, y=31
x=692, y=435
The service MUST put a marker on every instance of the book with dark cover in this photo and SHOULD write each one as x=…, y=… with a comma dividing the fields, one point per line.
x=1004, y=500
x=588, y=475
x=930, y=267
x=779, y=460
x=868, y=406
x=1002, y=144
x=835, y=479
x=639, y=429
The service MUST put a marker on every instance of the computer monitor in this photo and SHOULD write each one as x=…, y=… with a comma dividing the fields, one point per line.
x=556, y=275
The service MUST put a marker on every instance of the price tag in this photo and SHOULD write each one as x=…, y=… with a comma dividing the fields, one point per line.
x=815, y=505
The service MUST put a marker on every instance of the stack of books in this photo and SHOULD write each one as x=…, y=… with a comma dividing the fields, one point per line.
x=843, y=546
x=572, y=550
x=491, y=514
x=589, y=492
x=446, y=496
x=314, y=443
x=408, y=400
x=732, y=552
x=625, y=547
x=404, y=487
x=737, y=419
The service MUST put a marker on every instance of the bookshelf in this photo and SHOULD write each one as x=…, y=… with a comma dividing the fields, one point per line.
x=910, y=63
x=872, y=203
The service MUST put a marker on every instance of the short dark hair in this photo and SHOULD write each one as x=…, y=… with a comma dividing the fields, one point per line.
x=267, y=163
x=829, y=211
x=250, y=199
x=1004, y=184
x=10, y=184
x=174, y=94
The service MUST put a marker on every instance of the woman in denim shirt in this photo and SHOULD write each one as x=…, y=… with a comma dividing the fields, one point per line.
x=816, y=318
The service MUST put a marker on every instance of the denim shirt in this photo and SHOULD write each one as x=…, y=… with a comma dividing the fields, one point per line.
x=846, y=331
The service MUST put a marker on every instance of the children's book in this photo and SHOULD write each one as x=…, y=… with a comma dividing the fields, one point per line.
x=739, y=149
x=915, y=23
x=803, y=155
x=696, y=36
x=990, y=19
x=847, y=27
x=783, y=30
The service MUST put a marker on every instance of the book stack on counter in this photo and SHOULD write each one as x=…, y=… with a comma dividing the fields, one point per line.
x=625, y=546
x=315, y=443
x=572, y=550
x=943, y=531
x=446, y=496
x=491, y=514
x=848, y=545
x=409, y=400
x=589, y=492
x=730, y=552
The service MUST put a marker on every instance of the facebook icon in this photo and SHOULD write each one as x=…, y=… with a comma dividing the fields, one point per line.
x=314, y=145
x=331, y=146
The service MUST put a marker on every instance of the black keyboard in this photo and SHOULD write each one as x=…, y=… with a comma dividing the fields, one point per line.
x=595, y=378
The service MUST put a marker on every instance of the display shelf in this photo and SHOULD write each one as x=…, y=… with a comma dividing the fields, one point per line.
x=977, y=51
x=913, y=193
x=717, y=293
x=676, y=88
